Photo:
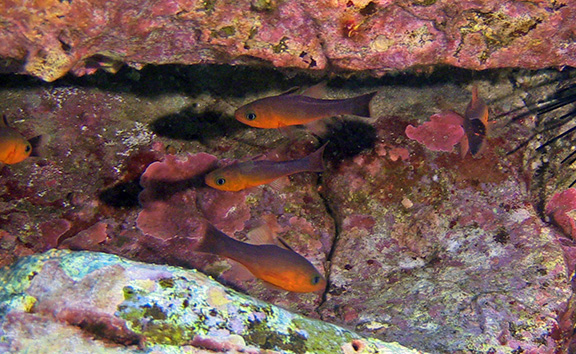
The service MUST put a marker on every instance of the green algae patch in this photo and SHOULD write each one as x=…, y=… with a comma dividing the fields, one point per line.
x=166, y=282
x=164, y=308
x=76, y=266
x=318, y=341
x=262, y=336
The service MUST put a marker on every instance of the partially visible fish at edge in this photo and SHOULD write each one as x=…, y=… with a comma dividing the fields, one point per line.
x=242, y=175
x=14, y=147
x=475, y=125
x=278, y=266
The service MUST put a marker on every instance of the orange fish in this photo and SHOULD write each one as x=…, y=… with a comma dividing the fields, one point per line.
x=289, y=109
x=278, y=266
x=242, y=175
x=475, y=125
x=14, y=147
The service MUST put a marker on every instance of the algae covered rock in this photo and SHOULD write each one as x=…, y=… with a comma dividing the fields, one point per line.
x=96, y=302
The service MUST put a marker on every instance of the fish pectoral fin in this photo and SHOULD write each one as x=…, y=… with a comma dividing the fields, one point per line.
x=272, y=286
x=288, y=131
x=266, y=235
x=279, y=183
x=261, y=235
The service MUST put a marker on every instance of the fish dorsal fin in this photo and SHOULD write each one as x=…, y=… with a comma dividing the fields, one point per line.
x=474, y=93
x=4, y=121
x=290, y=91
x=284, y=244
x=316, y=91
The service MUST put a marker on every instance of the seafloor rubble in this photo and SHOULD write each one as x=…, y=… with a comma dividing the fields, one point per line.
x=425, y=248
x=49, y=38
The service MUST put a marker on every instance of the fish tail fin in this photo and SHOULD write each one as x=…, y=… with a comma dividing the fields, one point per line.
x=315, y=160
x=361, y=105
x=212, y=240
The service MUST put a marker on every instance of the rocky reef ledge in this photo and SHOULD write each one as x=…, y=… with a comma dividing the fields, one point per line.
x=50, y=38
x=82, y=302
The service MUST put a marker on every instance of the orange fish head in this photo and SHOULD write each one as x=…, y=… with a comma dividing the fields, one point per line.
x=247, y=115
x=290, y=271
x=15, y=150
x=257, y=114
x=224, y=179
x=303, y=281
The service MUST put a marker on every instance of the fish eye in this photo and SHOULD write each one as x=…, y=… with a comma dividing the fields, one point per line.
x=27, y=148
x=315, y=280
x=250, y=115
x=220, y=181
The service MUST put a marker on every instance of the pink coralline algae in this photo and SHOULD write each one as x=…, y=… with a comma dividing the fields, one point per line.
x=169, y=196
x=441, y=133
x=50, y=38
x=559, y=208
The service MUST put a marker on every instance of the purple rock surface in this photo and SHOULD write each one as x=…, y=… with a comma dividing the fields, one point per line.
x=49, y=38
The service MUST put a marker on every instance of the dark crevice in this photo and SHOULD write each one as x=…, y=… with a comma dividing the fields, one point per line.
x=337, y=231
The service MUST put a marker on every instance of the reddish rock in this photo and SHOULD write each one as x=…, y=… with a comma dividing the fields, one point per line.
x=50, y=38
x=53, y=230
x=559, y=208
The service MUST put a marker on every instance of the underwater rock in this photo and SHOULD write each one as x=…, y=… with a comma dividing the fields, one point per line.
x=96, y=302
x=438, y=246
x=51, y=38
x=428, y=245
x=560, y=209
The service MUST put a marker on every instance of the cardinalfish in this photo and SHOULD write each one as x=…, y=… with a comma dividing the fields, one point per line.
x=475, y=125
x=278, y=266
x=242, y=175
x=291, y=109
x=14, y=147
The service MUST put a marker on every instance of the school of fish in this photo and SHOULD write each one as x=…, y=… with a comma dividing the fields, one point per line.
x=274, y=264
x=281, y=267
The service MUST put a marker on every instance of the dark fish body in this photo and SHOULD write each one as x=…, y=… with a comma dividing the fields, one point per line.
x=247, y=174
x=278, y=266
x=476, y=123
x=286, y=110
